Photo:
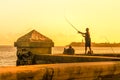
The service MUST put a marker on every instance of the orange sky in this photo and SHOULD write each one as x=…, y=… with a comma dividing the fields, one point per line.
x=18, y=17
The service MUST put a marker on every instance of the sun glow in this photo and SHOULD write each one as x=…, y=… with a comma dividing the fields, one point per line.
x=18, y=17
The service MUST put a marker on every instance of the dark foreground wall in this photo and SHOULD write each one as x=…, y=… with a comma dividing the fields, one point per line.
x=64, y=71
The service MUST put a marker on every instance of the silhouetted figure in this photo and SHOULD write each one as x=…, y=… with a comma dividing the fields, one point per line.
x=70, y=50
x=87, y=40
x=65, y=51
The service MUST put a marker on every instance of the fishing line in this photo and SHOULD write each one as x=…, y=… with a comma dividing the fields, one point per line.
x=110, y=45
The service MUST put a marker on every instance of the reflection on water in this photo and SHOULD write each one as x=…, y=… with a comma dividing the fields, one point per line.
x=7, y=56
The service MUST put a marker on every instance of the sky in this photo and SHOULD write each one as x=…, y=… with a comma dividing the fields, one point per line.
x=18, y=17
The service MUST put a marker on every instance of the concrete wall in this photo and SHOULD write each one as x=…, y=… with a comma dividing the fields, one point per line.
x=47, y=58
x=36, y=51
x=35, y=47
x=66, y=71
x=50, y=59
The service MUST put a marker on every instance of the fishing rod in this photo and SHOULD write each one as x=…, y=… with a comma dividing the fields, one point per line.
x=70, y=23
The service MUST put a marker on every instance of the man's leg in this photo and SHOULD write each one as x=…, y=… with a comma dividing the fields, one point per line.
x=90, y=50
x=85, y=49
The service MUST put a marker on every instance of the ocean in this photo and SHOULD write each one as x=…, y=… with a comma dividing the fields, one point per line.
x=8, y=53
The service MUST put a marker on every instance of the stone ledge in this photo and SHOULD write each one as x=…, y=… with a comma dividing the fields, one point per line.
x=48, y=58
x=64, y=71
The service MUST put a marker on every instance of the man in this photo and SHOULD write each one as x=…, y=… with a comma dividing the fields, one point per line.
x=70, y=50
x=87, y=40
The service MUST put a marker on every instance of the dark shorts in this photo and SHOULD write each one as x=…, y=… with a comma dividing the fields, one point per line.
x=88, y=43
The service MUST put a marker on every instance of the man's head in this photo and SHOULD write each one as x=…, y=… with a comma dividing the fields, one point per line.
x=70, y=46
x=87, y=29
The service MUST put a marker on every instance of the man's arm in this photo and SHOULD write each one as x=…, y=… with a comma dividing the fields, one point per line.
x=80, y=32
x=83, y=34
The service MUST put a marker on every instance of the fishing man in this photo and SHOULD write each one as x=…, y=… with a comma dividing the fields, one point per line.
x=87, y=40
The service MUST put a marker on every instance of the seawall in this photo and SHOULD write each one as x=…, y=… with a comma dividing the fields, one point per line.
x=50, y=59
x=63, y=71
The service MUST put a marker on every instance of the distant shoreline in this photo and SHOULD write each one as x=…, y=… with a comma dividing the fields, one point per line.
x=93, y=44
x=6, y=45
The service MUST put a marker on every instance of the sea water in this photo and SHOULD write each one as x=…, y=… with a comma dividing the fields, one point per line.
x=8, y=53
